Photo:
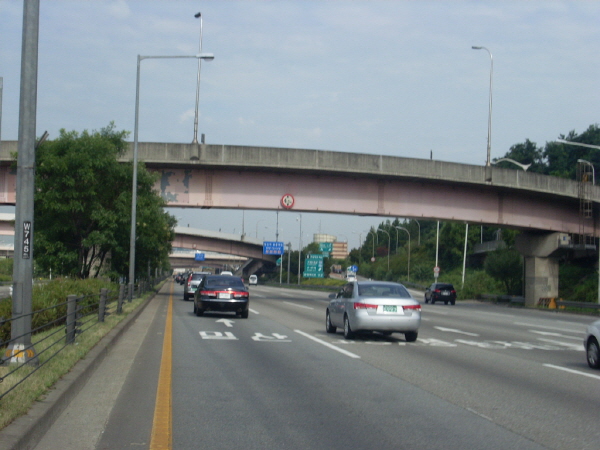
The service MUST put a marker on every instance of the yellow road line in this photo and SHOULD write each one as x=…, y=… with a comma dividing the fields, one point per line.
x=162, y=428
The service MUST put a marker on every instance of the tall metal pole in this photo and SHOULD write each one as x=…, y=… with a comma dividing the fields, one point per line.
x=299, y=248
x=408, y=265
x=195, y=141
x=131, y=281
x=21, y=349
x=489, y=139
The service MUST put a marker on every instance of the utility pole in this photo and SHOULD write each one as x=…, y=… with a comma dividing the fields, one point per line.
x=21, y=349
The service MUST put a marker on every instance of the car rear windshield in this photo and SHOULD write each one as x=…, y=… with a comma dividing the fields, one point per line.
x=448, y=287
x=224, y=282
x=383, y=290
x=198, y=276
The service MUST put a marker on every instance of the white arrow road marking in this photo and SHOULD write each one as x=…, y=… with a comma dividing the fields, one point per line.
x=453, y=330
x=228, y=323
x=327, y=344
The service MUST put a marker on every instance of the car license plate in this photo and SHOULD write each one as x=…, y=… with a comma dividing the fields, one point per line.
x=224, y=295
x=445, y=292
x=390, y=308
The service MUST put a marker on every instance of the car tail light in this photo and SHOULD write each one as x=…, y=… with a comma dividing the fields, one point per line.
x=437, y=291
x=415, y=307
x=209, y=294
x=358, y=305
x=240, y=294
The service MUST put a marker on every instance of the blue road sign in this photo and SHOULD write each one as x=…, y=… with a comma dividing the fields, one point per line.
x=272, y=248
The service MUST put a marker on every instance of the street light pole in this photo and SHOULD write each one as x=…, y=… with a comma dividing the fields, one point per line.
x=207, y=56
x=195, y=140
x=489, y=139
x=299, y=246
x=389, y=243
x=408, y=270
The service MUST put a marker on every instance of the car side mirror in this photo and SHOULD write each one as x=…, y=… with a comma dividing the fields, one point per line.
x=332, y=296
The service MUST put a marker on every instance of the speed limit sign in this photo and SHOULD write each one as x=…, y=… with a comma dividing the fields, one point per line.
x=436, y=270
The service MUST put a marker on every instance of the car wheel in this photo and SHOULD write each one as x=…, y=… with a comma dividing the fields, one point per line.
x=411, y=336
x=348, y=333
x=244, y=314
x=195, y=309
x=328, y=326
x=453, y=302
x=199, y=312
x=593, y=354
x=432, y=300
x=426, y=301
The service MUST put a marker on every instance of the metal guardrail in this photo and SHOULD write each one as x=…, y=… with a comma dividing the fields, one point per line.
x=66, y=320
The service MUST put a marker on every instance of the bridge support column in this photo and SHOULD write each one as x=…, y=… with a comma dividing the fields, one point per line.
x=541, y=265
x=541, y=279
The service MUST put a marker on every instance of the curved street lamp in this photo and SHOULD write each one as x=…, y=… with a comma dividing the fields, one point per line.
x=489, y=139
x=207, y=56
x=195, y=140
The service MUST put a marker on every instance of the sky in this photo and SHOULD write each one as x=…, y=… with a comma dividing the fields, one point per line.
x=380, y=77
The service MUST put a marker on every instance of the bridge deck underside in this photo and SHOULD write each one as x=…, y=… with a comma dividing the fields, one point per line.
x=370, y=196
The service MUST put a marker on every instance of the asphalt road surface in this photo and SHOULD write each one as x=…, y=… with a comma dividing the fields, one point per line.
x=480, y=376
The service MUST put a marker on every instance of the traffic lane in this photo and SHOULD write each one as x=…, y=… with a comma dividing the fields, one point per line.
x=537, y=335
x=504, y=383
x=257, y=383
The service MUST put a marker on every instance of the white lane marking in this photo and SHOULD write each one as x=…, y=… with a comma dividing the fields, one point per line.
x=479, y=414
x=576, y=372
x=299, y=306
x=524, y=324
x=327, y=344
x=576, y=347
x=549, y=333
x=253, y=311
x=453, y=330
x=228, y=323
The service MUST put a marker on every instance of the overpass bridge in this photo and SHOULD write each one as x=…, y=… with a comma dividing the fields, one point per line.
x=221, y=249
x=241, y=177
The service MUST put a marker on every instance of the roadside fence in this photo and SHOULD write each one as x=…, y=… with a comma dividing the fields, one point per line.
x=57, y=328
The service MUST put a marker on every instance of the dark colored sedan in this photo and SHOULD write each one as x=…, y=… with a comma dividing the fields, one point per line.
x=443, y=292
x=222, y=293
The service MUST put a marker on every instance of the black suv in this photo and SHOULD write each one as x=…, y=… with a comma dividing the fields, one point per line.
x=440, y=292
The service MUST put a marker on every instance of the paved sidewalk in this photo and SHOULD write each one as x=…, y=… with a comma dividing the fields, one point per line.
x=73, y=414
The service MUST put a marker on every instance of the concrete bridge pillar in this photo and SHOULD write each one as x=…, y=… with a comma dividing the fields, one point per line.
x=540, y=252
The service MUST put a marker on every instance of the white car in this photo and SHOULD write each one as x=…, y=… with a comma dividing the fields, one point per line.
x=380, y=306
x=226, y=272
x=253, y=280
x=350, y=278
x=592, y=346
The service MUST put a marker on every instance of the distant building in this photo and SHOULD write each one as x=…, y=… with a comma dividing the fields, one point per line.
x=340, y=249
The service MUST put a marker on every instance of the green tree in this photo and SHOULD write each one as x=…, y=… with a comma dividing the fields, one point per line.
x=506, y=266
x=525, y=153
x=83, y=206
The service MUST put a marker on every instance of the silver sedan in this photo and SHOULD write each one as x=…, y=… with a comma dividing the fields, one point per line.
x=374, y=306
